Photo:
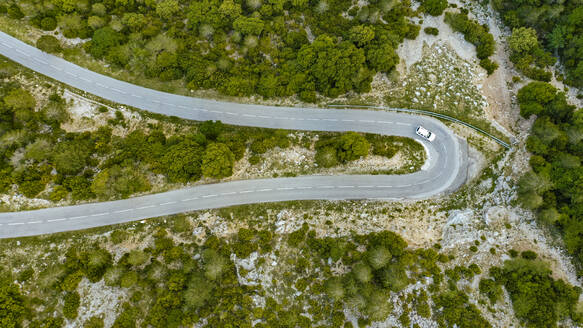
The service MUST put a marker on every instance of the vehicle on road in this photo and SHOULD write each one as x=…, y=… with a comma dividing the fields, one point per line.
x=423, y=132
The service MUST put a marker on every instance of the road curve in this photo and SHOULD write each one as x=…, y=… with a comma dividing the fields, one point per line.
x=442, y=173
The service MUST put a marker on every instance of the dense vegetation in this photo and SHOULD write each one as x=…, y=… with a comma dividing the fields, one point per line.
x=553, y=187
x=172, y=284
x=538, y=299
x=477, y=35
x=271, y=48
x=559, y=27
x=38, y=158
x=171, y=277
x=528, y=55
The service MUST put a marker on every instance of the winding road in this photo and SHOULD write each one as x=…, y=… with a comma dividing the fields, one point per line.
x=444, y=172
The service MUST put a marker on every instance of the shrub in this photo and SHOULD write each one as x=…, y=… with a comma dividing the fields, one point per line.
x=528, y=255
x=94, y=322
x=217, y=161
x=434, y=7
x=326, y=157
x=49, y=43
x=48, y=23
x=71, y=306
x=489, y=65
x=431, y=30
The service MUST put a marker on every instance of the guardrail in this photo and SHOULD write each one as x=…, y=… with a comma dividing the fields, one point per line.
x=438, y=115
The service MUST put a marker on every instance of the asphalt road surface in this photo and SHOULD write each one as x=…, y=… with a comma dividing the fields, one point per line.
x=444, y=171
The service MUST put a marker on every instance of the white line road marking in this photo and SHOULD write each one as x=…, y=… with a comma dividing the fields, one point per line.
x=228, y=193
x=70, y=74
x=229, y=113
x=57, y=68
x=286, y=188
x=145, y=207
x=249, y=115
x=366, y=121
x=56, y=220
x=326, y=187
x=304, y=187
x=119, y=91
x=384, y=186
x=365, y=186
x=15, y=223
x=100, y=214
x=208, y=196
x=123, y=211
x=385, y=122
x=345, y=187
x=102, y=85
x=262, y=190
x=168, y=203
x=22, y=53
x=347, y=120
x=183, y=107
x=40, y=61
x=263, y=116
x=245, y=192
x=405, y=124
x=78, y=217
x=137, y=96
x=189, y=199
x=34, y=222
x=84, y=79
x=8, y=46
x=330, y=119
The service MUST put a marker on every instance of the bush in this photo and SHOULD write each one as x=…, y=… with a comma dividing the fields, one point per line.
x=217, y=161
x=49, y=43
x=48, y=24
x=434, y=7
x=94, y=322
x=473, y=32
x=528, y=255
x=129, y=279
x=489, y=65
x=71, y=306
x=326, y=157
x=431, y=30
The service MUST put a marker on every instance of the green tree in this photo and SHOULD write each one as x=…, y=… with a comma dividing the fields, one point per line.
x=248, y=25
x=12, y=309
x=116, y=182
x=198, y=291
x=70, y=158
x=20, y=99
x=378, y=257
x=523, y=40
x=167, y=8
x=361, y=35
x=95, y=263
x=382, y=58
x=352, y=146
x=334, y=288
x=332, y=65
x=434, y=7
x=182, y=162
x=217, y=161
x=103, y=40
